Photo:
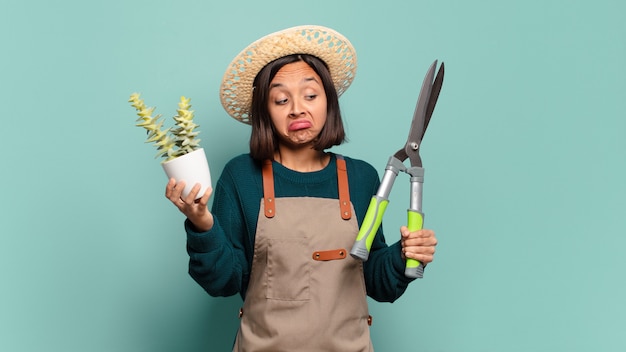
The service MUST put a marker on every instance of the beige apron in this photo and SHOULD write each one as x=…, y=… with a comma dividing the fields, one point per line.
x=306, y=293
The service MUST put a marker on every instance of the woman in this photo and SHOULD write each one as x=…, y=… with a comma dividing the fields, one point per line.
x=285, y=215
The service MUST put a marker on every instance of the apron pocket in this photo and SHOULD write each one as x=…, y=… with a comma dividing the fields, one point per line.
x=288, y=273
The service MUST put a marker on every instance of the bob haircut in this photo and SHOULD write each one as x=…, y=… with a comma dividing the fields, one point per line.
x=264, y=139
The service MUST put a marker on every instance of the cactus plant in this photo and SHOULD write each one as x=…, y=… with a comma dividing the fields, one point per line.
x=170, y=142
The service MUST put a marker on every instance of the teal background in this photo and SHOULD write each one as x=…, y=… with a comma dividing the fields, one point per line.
x=524, y=157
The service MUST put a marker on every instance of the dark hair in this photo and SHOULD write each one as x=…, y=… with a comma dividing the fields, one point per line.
x=263, y=138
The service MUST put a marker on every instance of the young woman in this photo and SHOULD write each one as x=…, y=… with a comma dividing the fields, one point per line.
x=286, y=215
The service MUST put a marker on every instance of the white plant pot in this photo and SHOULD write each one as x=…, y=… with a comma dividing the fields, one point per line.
x=192, y=168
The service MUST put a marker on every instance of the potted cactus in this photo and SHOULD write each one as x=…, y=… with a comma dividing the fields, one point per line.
x=179, y=146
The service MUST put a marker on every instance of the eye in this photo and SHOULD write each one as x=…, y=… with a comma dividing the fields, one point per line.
x=281, y=101
x=311, y=96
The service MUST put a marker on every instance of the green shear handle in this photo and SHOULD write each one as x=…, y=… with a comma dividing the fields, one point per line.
x=367, y=232
x=375, y=211
x=414, y=269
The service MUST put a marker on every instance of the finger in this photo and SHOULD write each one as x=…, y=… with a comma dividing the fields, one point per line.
x=169, y=187
x=424, y=233
x=205, y=197
x=177, y=191
x=193, y=194
x=420, y=242
x=412, y=251
x=420, y=257
x=404, y=232
x=424, y=237
x=421, y=249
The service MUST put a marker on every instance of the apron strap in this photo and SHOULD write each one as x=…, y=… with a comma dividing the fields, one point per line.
x=344, y=190
x=342, y=183
x=268, y=189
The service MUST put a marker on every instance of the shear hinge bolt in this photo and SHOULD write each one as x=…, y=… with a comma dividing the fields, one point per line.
x=414, y=146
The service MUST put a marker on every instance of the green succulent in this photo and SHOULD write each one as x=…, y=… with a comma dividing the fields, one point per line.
x=184, y=134
x=170, y=142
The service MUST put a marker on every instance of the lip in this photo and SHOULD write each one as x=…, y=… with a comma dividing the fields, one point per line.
x=299, y=125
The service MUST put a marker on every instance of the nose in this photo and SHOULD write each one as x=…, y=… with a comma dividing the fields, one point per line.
x=296, y=108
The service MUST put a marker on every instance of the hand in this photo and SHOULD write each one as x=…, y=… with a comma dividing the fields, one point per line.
x=418, y=245
x=195, y=210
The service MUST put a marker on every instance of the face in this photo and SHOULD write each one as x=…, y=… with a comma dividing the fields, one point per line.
x=297, y=104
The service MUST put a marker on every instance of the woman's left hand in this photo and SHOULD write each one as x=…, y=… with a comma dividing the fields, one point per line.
x=418, y=245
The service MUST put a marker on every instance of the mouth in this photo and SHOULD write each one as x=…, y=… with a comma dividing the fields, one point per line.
x=299, y=125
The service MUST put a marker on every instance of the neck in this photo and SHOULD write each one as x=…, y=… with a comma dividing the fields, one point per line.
x=305, y=160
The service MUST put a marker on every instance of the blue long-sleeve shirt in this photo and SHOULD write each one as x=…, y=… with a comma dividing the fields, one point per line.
x=220, y=259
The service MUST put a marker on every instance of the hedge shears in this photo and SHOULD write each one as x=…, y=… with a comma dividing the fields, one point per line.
x=373, y=217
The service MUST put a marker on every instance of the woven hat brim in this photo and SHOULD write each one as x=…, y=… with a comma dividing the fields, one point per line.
x=324, y=43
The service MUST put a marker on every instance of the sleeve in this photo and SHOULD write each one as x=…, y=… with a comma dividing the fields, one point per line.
x=217, y=259
x=384, y=270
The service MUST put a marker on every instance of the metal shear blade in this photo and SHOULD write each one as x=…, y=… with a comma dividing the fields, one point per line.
x=421, y=117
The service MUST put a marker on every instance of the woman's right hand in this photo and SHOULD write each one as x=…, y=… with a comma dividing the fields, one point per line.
x=195, y=210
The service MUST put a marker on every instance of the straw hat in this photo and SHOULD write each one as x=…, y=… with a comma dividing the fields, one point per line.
x=325, y=43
